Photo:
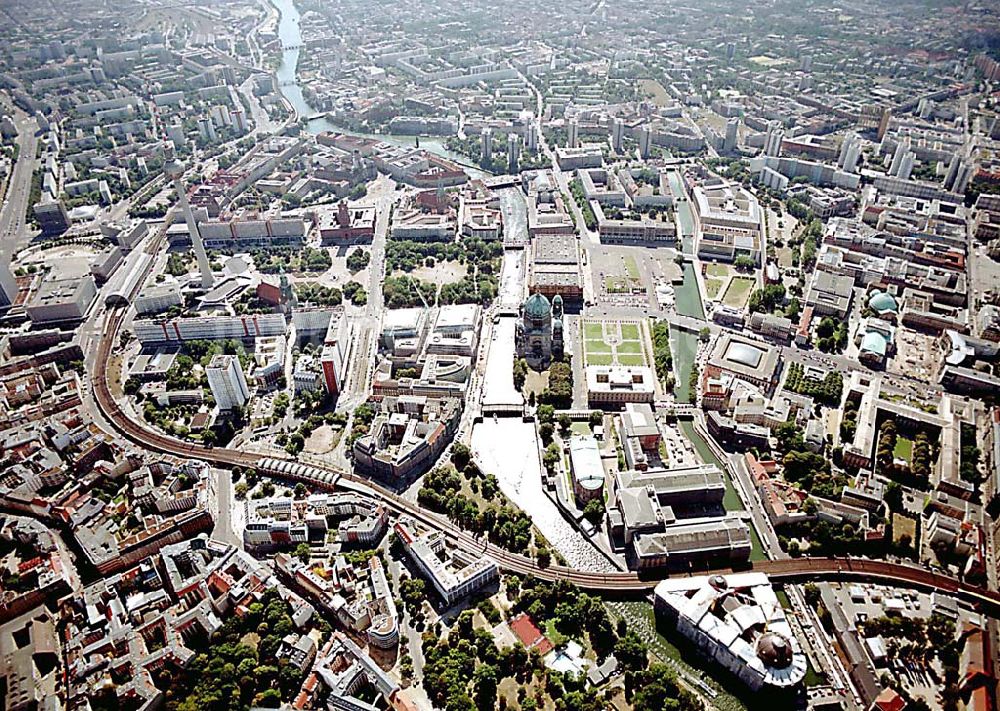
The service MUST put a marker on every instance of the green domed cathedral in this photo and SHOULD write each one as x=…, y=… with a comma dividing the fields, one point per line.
x=540, y=330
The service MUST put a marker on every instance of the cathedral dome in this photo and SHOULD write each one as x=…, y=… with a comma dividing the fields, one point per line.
x=537, y=306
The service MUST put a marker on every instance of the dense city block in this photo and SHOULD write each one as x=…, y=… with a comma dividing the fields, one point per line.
x=595, y=356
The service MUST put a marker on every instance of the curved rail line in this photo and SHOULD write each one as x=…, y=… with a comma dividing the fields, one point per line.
x=327, y=478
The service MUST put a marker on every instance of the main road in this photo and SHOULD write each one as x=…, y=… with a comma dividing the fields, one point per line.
x=325, y=478
x=13, y=217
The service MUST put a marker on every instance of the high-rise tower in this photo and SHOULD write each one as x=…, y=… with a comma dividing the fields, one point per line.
x=486, y=144
x=902, y=147
x=617, y=135
x=8, y=286
x=174, y=170
x=775, y=135
x=732, y=135
x=513, y=152
x=531, y=135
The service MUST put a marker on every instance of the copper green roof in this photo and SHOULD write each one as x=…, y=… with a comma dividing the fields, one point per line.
x=873, y=343
x=882, y=302
x=537, y=306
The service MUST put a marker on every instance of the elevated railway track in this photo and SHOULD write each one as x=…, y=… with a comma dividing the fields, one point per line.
x=329, y=478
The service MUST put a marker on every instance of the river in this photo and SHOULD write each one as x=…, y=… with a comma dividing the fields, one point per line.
x=684, y=344
x=506, y=447
x=515, y=216
x=683, y=207
x=291, y=38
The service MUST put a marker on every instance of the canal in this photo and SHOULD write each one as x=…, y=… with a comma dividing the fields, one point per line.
x=504, y=447
x=683, y=207
x=684, y=348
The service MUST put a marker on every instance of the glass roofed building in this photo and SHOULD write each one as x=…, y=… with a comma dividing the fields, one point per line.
x=754, y=362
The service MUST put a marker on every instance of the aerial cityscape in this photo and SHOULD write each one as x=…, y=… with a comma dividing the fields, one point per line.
x=366, y=355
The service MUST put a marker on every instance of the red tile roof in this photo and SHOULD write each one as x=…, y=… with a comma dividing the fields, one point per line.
x=525, y=629
x=889, y=700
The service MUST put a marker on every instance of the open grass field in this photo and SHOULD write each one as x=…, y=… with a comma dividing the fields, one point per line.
x=738, y=292
x=660, y=95
x=765, y=61
x=616, y=285
x=593, y=330
x=620, y=274
x=720, y=271
x=555, y=636
x=903, y=526
x=632, y=359
x=441, y=273
x=784, y=256
x=323, y=439
x=713, y=287
x=904, y=449
x=621, y=285
x=630, y=332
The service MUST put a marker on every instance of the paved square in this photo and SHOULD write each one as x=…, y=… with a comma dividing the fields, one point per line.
x=619, y=273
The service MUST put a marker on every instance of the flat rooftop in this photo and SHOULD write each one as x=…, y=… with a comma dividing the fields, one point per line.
x=556, y=249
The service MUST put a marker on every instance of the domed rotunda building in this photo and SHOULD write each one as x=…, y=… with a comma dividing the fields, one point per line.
x=539, y=335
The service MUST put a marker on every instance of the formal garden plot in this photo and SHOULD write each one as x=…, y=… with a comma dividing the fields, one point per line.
x=614, y=343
